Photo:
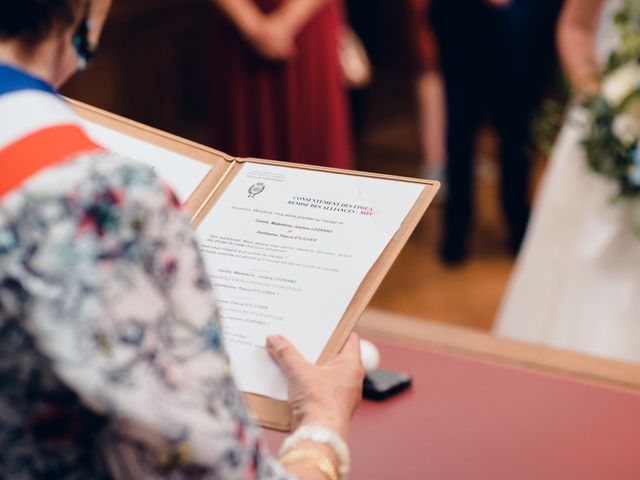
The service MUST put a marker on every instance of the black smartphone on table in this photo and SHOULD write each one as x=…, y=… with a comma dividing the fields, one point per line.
x=381, y=384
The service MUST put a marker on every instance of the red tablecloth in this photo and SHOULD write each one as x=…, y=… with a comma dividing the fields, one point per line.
x=470, y=419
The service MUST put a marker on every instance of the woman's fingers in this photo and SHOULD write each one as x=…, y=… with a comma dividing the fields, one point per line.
x=285, y=355
x=351, y=349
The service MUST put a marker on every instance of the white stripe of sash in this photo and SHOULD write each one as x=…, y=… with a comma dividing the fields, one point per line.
x=28, y=111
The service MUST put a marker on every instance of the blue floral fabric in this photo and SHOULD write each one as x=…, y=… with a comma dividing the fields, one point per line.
x=111, y=356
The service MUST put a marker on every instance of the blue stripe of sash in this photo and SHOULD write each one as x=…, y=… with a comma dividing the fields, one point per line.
x=13, y=80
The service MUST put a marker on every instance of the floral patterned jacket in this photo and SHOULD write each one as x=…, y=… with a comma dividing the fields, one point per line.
x=111, y=360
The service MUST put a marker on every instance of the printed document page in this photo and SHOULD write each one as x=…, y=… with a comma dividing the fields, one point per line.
x=184, y=174
x=287, y=249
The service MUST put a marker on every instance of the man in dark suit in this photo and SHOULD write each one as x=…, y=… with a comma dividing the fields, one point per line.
x=496, y=56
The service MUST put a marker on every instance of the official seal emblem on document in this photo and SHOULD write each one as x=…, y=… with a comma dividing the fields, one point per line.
x=256, y=189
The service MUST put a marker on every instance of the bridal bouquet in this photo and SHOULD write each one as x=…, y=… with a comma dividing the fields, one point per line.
x=612, y=143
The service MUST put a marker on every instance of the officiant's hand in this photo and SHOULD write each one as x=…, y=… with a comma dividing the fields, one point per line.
x=323, y=395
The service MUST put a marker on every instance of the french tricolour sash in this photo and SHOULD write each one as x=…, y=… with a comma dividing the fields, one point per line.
x=38, y=129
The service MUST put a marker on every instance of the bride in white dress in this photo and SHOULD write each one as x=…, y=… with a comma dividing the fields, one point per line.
x=576, y=284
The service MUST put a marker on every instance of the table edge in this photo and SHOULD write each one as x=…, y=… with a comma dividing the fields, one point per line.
x=437, y=336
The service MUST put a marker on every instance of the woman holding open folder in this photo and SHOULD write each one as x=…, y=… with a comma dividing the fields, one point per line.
x=111, y=356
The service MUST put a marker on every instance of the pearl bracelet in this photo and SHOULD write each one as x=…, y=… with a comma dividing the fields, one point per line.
x=325, y=436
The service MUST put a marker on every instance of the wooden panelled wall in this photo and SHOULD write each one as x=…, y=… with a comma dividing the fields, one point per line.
x=155, y=66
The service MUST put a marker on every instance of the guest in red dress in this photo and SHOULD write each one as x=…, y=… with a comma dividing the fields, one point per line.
x=280, y=92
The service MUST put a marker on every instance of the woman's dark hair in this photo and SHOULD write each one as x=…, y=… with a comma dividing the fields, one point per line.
x=31, y=21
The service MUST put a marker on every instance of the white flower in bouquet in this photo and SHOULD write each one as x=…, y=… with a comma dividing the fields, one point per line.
x=627, y=128
x=617, y=85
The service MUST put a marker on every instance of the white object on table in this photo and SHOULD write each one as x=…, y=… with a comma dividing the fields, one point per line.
x=370, y=355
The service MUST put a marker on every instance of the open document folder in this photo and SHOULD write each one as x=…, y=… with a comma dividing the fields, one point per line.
x=292, y=249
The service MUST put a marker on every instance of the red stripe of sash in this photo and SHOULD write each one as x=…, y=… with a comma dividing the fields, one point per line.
x=40, y=150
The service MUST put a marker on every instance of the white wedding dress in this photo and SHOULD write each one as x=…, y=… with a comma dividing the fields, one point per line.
x=576, y=284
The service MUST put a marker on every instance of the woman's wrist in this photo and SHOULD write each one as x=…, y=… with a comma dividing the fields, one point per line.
x=287, y=22
x=320, y=442
x=248, y=22
x=294, y=16
x=340, y=427
x=327, y=417
x=587, y=84
x=585, y=76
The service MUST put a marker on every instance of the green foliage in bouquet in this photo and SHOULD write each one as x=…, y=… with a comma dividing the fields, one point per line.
x=612, y=142
x=627, y=21
x=606, y=153
x=549, y=117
